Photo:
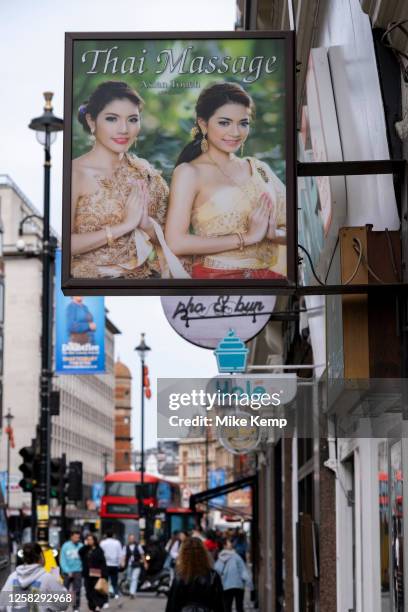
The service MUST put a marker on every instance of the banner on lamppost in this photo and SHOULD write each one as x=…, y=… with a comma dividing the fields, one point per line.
x=179, y=163
x=97, y=493
x=79, y=331
x=217, y=478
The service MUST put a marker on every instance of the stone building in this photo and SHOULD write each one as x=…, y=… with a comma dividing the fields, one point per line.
x=84, y=429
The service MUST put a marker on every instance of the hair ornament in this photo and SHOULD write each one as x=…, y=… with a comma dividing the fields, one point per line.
x=82, y=110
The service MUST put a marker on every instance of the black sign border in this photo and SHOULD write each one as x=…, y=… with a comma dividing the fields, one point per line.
x=163, y=287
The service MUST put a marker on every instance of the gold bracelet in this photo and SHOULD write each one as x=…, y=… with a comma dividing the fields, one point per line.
x=109, y=237
x=241, y=241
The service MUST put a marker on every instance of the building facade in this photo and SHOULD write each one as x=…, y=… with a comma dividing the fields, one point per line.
x=84, y=429
x=332, y=514
x=123, y=416
x=199, y=459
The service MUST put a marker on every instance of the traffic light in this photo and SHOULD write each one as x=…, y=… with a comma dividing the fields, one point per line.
x=58, y=468
x=146, y=383
x=29, y=468
x=74, y=480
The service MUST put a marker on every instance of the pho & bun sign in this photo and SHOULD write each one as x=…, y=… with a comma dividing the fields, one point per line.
x=203, y=320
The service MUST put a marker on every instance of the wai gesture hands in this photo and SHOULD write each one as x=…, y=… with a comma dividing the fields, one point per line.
x=137, y=205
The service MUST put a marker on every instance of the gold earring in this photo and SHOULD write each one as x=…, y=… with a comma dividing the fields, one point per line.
x=242, y=148
x=204, y=144
x=194, y=132
x=92, y=136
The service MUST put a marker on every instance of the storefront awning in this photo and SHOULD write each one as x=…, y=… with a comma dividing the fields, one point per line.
x=204, y=496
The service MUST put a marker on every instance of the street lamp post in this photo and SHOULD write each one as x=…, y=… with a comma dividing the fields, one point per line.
x=105, y=456
x=8, y=417
x=142, y=351
x=46, y=127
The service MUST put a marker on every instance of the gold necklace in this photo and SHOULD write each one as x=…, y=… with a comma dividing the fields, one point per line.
x=230, y=178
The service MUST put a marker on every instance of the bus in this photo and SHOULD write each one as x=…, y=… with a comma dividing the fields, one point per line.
x=161, y=499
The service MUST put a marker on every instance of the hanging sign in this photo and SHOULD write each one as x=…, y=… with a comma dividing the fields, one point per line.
x=203, y=320
x=240, y=437
x=142, y=112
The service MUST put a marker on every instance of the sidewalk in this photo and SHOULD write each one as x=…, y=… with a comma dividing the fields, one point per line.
x=142, y=603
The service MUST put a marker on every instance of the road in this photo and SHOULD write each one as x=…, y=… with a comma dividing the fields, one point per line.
x=141, y=603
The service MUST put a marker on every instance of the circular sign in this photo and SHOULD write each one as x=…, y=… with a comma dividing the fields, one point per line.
x=240, y=437
x=203, y=320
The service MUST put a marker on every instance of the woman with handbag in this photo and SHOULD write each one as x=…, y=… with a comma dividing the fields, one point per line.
x=196, y=586
x=95, y=573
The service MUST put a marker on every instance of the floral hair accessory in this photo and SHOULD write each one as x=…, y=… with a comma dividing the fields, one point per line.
x=82, y=109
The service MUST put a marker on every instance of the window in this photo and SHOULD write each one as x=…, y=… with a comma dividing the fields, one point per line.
x=129, y=489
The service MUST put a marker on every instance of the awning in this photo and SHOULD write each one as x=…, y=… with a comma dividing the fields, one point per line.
x=204, y=496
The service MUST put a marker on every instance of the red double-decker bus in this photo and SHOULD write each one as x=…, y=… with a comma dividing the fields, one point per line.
x=162, y=509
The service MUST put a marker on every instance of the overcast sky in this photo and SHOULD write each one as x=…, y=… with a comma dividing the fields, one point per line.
x=32, y=61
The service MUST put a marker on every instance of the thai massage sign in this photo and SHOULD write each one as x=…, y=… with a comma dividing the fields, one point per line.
x=179, y=163
x=203, y=320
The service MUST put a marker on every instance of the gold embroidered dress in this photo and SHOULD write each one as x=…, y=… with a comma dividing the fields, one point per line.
x=107, y=206
x=227, y=212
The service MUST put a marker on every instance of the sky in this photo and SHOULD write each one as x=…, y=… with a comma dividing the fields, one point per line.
x=32, y=52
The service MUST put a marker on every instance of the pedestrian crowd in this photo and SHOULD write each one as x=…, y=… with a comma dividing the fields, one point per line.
x=205, y=572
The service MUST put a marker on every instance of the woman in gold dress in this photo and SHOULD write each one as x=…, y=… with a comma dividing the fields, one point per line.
x=119, y=201
x=229, y=213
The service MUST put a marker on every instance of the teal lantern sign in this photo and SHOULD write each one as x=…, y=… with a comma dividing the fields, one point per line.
x=231, y=354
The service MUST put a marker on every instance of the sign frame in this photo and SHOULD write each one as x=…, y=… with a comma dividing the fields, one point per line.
x=162, y=287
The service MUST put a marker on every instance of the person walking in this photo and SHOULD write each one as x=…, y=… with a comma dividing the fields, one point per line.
x=240, y=544
x=196, y=585
x=173, y=548
x=113, y=553
x=132, y=555
x=31, y=578
x=93, y=568
x=71, y=566
x=234, y=575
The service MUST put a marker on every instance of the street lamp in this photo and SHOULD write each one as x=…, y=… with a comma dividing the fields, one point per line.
x=10, y=442
x=142, y=351
x=105, y=456
x=20, y=244
x=46, y=127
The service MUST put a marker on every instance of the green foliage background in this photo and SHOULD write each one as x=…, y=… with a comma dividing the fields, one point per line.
x=169, y=114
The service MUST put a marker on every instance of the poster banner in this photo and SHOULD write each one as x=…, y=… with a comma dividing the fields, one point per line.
x=97, y=493
x=179, y=163
x=217, y=478
x=79, y=331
